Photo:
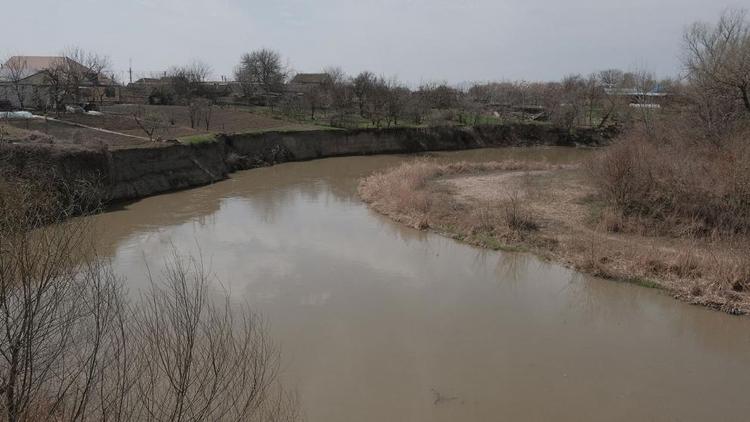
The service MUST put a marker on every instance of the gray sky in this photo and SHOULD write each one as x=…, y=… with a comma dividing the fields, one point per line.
x=416, y=40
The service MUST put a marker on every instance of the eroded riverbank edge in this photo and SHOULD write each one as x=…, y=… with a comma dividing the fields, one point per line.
x=552, y=211
x=133, y=173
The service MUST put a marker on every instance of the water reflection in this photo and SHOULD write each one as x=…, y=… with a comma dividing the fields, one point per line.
x=381, y=322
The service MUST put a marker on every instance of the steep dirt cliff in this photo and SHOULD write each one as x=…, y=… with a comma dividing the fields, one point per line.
x=132, y=173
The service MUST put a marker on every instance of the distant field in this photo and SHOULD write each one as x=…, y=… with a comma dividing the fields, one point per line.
x=40, y=131
x=231, y=119
x=223, y=120
x=119, y=119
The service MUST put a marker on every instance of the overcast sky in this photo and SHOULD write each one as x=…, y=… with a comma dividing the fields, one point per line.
x=416, y=40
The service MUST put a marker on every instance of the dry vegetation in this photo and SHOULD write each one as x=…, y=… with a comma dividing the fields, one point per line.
x=668, y=205
x=73, y=347
x=50, y=132
x=126, y=126
x=223, y=120
x=555, y=211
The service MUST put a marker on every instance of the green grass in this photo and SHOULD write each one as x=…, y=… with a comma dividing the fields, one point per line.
x=491, y=242
x=198, y=139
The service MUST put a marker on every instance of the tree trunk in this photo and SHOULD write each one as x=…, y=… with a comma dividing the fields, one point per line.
x=745, y=97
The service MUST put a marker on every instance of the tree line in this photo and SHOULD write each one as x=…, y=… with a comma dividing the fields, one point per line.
x=715, y=84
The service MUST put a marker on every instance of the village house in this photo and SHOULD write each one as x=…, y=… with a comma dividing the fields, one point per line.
x=305, y=82
x=46, y=82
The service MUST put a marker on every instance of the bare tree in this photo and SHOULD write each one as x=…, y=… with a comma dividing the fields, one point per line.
x=470, y=108
x=14, y=72
x=613, y=84
x=46, y=296
x=208, y=114
x=153, y=124
x=717, y=57
x=315, y=98
x=340, y=99
x=202, y=359
x=396, y=101
x=74, y=72
x=261, y=70
x=571, y=109
x=376, y=104
x=187, y=82
x=594, y=93
x=440, y=95
x=417, y=107
x=73, y=349
x=363, y=86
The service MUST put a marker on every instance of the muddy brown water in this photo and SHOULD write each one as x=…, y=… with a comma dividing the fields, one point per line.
x=379, y=322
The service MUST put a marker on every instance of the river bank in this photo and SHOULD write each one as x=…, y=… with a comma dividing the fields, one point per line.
x=350, y=296
x=553, y=211
x=132, y=173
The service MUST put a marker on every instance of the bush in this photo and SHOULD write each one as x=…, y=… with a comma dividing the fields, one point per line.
x=680, y=184
x=75, y=348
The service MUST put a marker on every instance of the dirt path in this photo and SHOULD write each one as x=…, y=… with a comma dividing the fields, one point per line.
x=110, y=132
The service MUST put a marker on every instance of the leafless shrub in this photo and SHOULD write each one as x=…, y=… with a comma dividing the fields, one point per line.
x=153, y=124
x=611, y=220
x=681, y=185
x=200, y=359
x=517, y=216
x=73, y=349
x=591, y=255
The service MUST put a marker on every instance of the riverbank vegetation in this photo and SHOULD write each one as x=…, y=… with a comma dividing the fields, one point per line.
x=558, y=213
x=75, y=346
x=667, y=205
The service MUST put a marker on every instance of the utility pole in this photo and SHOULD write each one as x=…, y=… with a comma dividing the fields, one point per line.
x=130, y=70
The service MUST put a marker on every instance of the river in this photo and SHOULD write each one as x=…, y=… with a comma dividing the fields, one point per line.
x=379, y=322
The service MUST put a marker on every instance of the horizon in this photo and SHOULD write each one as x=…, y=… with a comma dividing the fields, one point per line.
x=532, y=40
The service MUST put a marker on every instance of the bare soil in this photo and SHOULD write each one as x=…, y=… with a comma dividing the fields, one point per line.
x=41, y=131
x=554, y=212
x=116, y=128
x=223, y=120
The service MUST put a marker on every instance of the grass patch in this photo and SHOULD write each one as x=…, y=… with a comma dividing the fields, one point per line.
x=491, y=242
x=644, y=282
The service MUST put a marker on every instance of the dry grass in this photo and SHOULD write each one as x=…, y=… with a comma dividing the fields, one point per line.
x=223, y=120
x=677, y=185
x=403, y=192
x=41, y=131
x=554, y=212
